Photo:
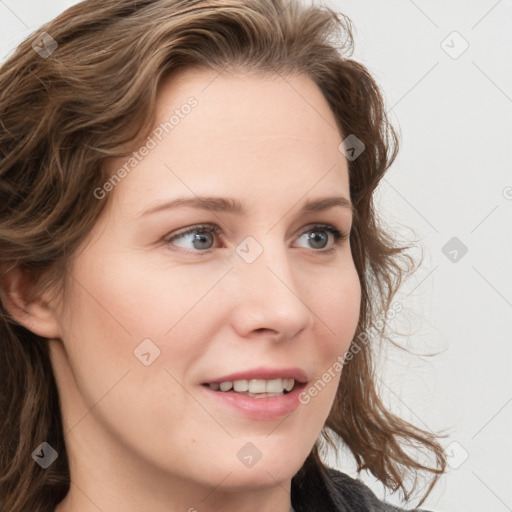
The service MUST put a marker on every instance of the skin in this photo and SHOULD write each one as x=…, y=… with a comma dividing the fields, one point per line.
x=146, y=437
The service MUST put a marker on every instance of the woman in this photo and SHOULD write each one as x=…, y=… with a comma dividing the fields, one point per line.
x=192, y=265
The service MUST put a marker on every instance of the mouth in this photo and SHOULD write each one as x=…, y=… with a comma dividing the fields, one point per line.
x=256, y=399
x=263, y=393
x=256, y=388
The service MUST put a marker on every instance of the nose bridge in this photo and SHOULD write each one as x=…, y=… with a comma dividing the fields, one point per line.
x=270, y=297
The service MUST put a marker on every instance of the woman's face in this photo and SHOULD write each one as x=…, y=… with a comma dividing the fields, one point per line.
x=152, y=314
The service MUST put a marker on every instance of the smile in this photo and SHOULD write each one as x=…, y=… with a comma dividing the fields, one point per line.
x=255, y=387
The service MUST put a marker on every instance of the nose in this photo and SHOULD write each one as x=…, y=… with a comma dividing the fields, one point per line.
x=270, y=297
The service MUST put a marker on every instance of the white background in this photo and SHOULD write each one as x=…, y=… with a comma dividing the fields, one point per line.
x=453, y=178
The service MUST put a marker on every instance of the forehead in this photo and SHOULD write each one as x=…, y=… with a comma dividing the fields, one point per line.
x=239, y=105
x=246, y=135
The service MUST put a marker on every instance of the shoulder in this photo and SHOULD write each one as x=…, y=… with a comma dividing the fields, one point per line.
x=352, y=495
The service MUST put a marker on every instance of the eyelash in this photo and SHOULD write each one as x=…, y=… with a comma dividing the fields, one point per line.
x=214, y=229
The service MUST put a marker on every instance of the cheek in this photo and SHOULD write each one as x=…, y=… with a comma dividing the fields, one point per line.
x=121, y=310
x=151, y=296
x=337, y=319
x=338, y=310
x=110, y=385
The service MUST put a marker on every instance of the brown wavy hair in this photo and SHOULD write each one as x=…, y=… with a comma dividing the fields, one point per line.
x=94, y=98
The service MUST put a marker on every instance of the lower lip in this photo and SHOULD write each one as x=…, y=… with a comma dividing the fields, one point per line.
x=267, y=408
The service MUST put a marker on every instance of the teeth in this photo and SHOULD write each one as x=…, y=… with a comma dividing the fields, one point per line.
x=255, y=386
x=271, y=386
x=224, y=386
x=288, y=384
x=241, y=386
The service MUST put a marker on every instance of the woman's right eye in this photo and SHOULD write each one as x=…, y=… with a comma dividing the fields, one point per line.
x=197, y=235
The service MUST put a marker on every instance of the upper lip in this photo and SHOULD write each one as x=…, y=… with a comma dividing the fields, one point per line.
x=263, y=373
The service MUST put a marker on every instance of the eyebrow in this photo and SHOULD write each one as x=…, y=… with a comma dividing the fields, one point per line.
x=235, y=207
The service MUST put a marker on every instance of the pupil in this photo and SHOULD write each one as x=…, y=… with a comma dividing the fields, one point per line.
x=315, y=238
x=201, y=238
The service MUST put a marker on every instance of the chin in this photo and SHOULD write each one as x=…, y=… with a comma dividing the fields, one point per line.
x=256, y=479
x=270, y=470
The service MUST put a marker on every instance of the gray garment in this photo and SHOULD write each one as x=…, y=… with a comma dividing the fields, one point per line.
x=354, y=495
x=336, y=492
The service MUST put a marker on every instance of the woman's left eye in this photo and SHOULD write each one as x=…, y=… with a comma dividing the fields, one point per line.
x=317, y=236
x=201, y=235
